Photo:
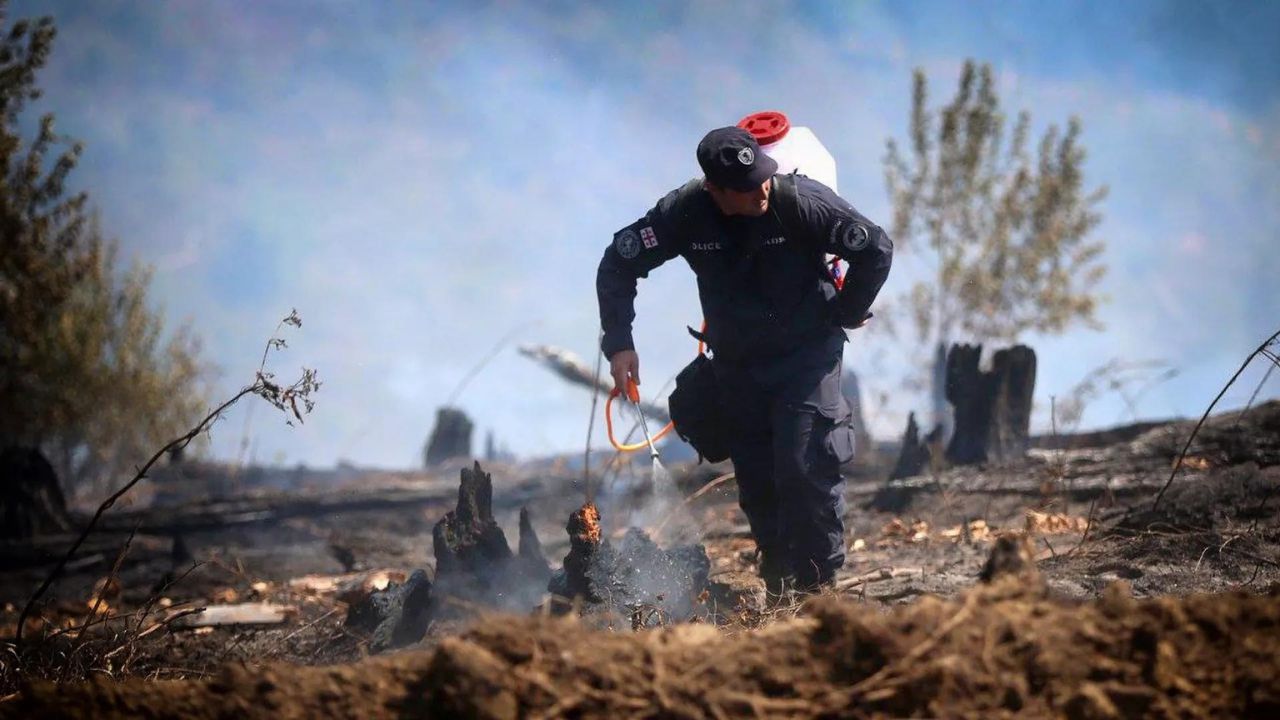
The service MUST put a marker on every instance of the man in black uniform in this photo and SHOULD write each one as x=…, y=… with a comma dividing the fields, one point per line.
x=775, y=325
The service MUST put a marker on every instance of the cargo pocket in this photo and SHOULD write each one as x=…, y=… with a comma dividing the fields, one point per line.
x=840, y=442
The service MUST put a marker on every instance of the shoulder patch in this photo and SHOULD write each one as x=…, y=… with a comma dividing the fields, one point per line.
x=627, y=243
x=853, y=235
x=648, y=237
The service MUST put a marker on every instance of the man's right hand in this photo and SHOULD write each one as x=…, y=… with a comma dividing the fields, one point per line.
x=624, y=364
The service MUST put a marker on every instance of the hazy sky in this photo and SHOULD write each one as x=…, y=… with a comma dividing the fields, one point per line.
x=420, y=179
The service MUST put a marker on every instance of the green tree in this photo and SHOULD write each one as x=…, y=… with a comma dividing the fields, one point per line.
x=87, y=372
x=1006, y=235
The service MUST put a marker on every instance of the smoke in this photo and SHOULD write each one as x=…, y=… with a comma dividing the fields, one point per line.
x=656, y=571
x=651, y=584
x=650, y=501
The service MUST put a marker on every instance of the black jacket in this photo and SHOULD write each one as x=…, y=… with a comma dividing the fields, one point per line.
x=763, y=282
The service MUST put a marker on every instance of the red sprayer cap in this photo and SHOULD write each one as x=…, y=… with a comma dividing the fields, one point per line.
x=766, y=127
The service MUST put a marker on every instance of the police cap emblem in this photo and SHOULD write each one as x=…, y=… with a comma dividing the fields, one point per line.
x=747, y=156
x=627, y=243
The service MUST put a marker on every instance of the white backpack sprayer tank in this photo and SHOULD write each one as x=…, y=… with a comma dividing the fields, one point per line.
x=793, y=148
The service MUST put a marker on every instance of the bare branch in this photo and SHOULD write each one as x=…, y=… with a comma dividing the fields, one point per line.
x=1262, y=350
x=261, y=387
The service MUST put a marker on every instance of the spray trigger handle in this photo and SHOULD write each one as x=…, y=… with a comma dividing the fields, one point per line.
x=633, y=391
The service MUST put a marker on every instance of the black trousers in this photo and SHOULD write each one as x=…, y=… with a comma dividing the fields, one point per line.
x=790, y=433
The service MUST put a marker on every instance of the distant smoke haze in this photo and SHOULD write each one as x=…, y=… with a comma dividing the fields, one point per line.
x=419, y=178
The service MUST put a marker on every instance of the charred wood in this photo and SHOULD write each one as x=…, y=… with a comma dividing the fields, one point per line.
x=396, y=616
x=530, y=548
x=1012, y=557
x=914, y=458
x=572, y=370
x=571, y=580
x=450, y=438
x=636, y=578
x=992, y=409
x=31, y=501
x=467, y=539
x=474, y=561
x=256, y=510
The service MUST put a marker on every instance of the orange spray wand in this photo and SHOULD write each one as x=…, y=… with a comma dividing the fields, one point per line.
x=633, y=394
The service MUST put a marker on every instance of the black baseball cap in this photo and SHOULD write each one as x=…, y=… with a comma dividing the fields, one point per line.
x=731, y=158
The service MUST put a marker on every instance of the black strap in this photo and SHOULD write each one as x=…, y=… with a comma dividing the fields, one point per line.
x=786, y=208
x=786, y=203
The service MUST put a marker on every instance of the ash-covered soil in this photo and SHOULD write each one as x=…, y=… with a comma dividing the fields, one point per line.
x=999, y=651
x=1189, y=631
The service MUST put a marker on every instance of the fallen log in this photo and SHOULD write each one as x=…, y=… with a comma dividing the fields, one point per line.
x=567, y=365
x=349, y=588
x=878, y=575
x=396, y=616
x=239, y=614
x=47, y=550
x=273, y=508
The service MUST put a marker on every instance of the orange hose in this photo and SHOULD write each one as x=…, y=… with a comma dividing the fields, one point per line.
x=608, y=423
x=633, y=394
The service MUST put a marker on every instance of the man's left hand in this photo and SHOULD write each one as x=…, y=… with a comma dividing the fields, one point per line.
x=861, y=323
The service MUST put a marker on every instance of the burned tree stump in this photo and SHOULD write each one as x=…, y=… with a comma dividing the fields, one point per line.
x=914, y=456
x=655, y=585
x=1010, y=435
x=31, y=501
x=992, y=409
x=473, y=559
x=530, y=548
x=584, y=544
x=467, y=539
x=450, y=438
x=636, y=578
x=474, y=563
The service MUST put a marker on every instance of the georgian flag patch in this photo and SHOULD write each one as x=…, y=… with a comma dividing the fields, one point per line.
x=648, y=237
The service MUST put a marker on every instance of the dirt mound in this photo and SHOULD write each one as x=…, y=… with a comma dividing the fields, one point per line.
x=999, y=651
